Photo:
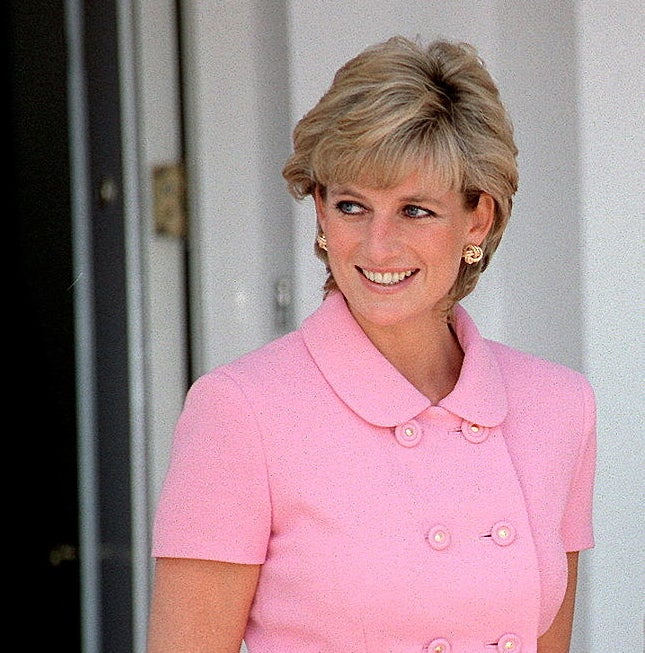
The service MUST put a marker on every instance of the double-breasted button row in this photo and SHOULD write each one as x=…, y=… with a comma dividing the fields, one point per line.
x=507, y=643
x=409, y=433
x=502, y=533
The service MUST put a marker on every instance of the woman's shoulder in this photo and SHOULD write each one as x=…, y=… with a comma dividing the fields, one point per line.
x=524, y=370
x=277, y=363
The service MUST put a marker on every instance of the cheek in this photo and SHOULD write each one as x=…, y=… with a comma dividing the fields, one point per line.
x=445, y=249
x=341, y=239
x=339, y=260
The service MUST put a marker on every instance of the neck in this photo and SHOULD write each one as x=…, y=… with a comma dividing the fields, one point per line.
x=428, y=356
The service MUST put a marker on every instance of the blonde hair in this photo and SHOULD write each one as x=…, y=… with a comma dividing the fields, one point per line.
x=400, y=107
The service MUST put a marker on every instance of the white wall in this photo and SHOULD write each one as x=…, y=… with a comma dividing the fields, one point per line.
x=237, y=136
x=565, y=281
x=612, y=117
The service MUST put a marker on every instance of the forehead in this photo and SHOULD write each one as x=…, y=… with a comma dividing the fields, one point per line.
x=415, y=185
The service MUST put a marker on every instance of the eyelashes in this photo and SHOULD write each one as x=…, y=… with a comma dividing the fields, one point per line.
x=413, y=211
x=348, y=207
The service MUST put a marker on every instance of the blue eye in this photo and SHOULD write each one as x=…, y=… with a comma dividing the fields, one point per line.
x=349, y=208
x=416, y=212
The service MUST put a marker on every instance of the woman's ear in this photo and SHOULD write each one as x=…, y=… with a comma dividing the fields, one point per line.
x=482, y=218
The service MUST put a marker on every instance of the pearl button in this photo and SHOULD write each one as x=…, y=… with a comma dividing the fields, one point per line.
x=439, y=537
x=439, y=645
x=408, y=434
x=474, y=433
x=509, y=643
x=503, y=533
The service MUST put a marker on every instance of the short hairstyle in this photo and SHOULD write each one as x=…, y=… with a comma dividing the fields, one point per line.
x=399, y=107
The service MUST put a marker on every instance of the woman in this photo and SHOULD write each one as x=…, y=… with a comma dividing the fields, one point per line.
x=384, y=479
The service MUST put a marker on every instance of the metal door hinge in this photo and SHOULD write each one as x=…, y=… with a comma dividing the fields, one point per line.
x=169, y=199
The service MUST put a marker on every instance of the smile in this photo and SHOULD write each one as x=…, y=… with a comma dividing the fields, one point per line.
x=386, y=278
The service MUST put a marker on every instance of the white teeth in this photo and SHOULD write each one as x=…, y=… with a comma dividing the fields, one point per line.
x=386, y=278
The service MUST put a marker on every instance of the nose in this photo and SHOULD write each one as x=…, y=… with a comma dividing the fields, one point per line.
x=382, y=237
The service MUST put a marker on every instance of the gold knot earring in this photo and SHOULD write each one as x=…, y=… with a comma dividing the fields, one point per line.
x=472, y=254
x=321, y=239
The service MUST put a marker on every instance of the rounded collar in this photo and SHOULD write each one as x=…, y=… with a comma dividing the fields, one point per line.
x=375, y=390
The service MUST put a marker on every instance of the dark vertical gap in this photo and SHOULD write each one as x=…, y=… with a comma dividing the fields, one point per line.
x=42, y=453
x=187, y=262
x=112, y=405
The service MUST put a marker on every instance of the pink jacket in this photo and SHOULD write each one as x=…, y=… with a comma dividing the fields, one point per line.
x=385, y=524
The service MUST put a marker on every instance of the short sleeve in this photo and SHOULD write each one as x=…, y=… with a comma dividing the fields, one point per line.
x=577, y=523
x=214, y=502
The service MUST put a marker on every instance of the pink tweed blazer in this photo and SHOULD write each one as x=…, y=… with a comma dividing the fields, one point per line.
x=384, y=523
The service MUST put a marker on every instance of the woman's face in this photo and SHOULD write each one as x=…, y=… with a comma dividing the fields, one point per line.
x=395, y=253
